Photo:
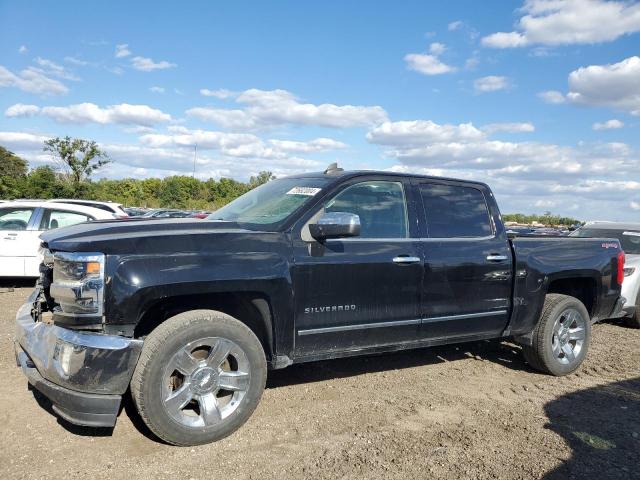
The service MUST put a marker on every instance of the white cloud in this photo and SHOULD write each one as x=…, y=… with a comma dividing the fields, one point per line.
x=76, y=61
x=552, y=96
x=505, y=40
x=123, y=113
x=139, y=129
x=23, y=49
x=542, y=203
x=615, y=86
x=492, y=83
x=525, y=176
x=317, y=145
x=268, y=108
x=455, y=25
x=226, y=118
x=515, y=127
x=471, y=63
x=32, y=80
x=157, y=89
x=567, y=22
x=147, y=64
x=221, y=93
x=420, y=132
x=427, y=64
x=21, y=110
x=608, y=125
x=437, y=48
x=51, y=68
x=122, y=50
x=241, y=145
x=17, y=140
x=634, y=205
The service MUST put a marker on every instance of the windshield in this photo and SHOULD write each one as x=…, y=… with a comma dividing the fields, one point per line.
x=629, y=239
x=272, y=202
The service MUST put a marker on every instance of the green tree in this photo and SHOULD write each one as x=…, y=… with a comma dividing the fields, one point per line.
x=43, y=182
x=262, y=177
x=13, y=171
x=78, y=158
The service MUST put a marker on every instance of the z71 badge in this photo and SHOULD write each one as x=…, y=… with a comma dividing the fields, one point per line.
x=330, y=308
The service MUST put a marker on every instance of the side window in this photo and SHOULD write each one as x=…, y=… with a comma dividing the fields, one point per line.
x=381, y=207
x=15, y=218
x=59, y=218
x=453, y=211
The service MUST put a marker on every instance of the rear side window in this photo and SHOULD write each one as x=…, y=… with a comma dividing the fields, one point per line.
x=59, y=218
x=380, y=205
x=15, y=218
x=454, y=211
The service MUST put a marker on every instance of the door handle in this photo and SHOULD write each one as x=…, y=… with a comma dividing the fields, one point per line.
x=404, y=259
x=494, y=257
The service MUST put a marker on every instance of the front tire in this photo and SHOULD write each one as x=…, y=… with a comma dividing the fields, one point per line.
x=561, y=338
x=200, y=376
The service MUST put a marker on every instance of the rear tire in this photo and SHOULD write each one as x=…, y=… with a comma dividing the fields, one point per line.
x=561, y=338
x=200, y=376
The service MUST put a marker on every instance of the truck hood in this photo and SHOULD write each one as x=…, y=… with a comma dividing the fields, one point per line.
x=137, y=236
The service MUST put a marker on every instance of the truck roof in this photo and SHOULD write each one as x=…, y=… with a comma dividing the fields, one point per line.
x=343, y=174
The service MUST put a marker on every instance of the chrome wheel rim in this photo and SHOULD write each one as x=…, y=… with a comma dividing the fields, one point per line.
x=569, y=333
x=205, y=381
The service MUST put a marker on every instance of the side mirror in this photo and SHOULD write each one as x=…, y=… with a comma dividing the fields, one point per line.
x=335, y=225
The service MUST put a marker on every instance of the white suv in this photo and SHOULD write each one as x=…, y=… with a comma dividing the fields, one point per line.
x=22, y=222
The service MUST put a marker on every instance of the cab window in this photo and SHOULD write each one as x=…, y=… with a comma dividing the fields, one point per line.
x=380, y=205
x=454, y=211
x=59, y=218
x=15, y=218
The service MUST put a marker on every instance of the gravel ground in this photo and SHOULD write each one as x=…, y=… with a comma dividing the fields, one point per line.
x=464, y=411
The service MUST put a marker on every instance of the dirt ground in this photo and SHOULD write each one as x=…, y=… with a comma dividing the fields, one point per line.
x=465, y=411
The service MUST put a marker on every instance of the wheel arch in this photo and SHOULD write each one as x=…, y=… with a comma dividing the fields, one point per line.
x=584, y=288
x=251, y=308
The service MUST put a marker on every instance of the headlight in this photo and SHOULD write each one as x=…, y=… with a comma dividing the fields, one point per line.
x=628, y=271
x=78, y=284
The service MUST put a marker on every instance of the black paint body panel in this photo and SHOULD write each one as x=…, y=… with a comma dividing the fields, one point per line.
x=395, y=305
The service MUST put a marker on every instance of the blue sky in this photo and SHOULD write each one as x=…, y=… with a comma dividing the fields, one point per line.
x=540, y=99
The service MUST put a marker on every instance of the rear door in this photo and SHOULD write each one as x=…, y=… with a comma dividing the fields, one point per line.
x=359, y=292
x=467, y=261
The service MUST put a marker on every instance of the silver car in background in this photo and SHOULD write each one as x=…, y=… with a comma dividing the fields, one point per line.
x=629, y=236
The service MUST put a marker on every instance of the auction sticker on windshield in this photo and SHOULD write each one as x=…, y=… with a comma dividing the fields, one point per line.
x=309, y=191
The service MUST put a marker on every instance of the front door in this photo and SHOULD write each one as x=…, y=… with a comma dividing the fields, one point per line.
x=467, y=264
x=19, y=240
x=359, y=292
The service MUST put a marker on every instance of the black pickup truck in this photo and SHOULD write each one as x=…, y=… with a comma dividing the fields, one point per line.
x=188, y=315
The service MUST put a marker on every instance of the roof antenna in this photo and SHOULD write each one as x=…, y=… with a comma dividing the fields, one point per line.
x=333, y=168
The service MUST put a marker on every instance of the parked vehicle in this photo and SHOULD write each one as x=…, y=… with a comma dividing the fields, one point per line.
x=629, y=236
x=166, y=213
x=200, y=214
x=21, y=224
x=135, y=211
x=112, y=207
x=189, y=315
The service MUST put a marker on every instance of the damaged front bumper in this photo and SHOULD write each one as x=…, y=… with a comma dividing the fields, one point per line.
x=83, y=374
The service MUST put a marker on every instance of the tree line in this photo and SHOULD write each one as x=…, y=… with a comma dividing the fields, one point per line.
x=76, y=160
x=547, y=219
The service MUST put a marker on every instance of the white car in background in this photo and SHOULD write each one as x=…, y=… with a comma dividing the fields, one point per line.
x=113, y=207
x=629, y=236
x=22, y=222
